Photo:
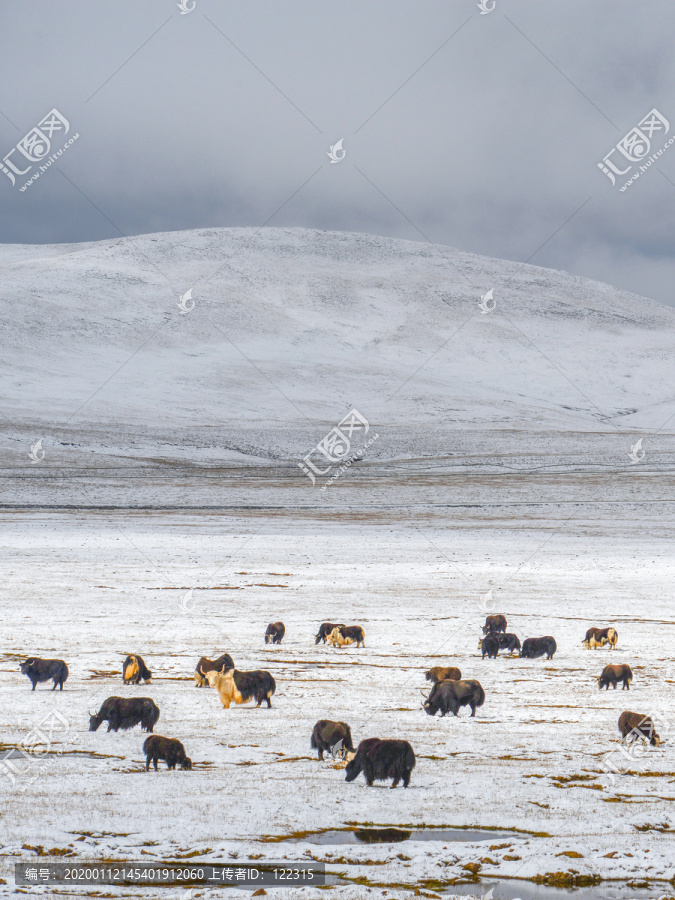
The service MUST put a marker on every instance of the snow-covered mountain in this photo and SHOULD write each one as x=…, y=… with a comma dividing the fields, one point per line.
x=291, y=328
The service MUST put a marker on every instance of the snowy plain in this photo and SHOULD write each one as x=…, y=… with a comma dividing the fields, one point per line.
x=502, y=464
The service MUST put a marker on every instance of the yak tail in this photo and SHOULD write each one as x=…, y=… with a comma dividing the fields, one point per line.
x=313, y=744
x=481, y=697
x=348, y=743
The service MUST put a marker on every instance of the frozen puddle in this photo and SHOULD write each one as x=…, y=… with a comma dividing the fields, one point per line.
x=397, y=835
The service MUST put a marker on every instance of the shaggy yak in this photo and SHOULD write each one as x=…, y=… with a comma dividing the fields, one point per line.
x=440, y=673
x=210, y=665
x=170, y=749
x=344, y=635
x=325, y=630
x=508, y=642
x=639, y=726
x=489, y=646
x=382, y=759
x=449, y=696
x=533, y=647
x=598, y=637
x=494, y=623
x=124, y=714
x=275, y=633
x=613, y=674
x=134, y=670
x=39, y=670
x=243, y=686
x=332, y=737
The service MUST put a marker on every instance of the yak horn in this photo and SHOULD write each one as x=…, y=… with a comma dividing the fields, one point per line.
x=426, y=696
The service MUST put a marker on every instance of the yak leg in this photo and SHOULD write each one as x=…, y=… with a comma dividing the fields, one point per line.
x=396, y=780
x=320, y=754
x=473, y=710
x=368, y=772
x=406, y=778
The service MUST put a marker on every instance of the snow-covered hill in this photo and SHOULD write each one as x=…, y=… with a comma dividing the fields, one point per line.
x=291, y=327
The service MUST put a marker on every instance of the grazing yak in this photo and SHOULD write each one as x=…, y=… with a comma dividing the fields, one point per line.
x=275, y=633
x=614, y=674
x=39, y=670
x=494, y=623
x=134, y=670
x=598, y=637
x=533, y=647
x=639, y=726
x=170, y=749
x=332, y=737
x=243, y=686
x=211, y=665
x=125, y=714
x=449, y=696
x=382, y=759
x=508, y=642
x=489, y=646
x=440, y=673
x=345, y=635
x=325, y=630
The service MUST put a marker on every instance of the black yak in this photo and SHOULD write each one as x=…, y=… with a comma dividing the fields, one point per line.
x=135, y=670
x=449, y=696
x=243, y=686
x=211, y=665
x=494, y=623
x=39, y=670
x=533, y=647
x=325, y=629
x=489, y=646
x=440, y=673
x=275, y=633
x=508, y=642
x=382, y=759
x=125, y=714
x=639, y=726
x=598, y=637
x=170, y=749
x=332, y=737
x=344, y=635
x=613, y=674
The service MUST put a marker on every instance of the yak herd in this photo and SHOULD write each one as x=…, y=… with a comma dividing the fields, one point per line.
x=376, y=758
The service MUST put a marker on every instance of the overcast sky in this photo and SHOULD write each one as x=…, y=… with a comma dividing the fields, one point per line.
x=479, y=131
